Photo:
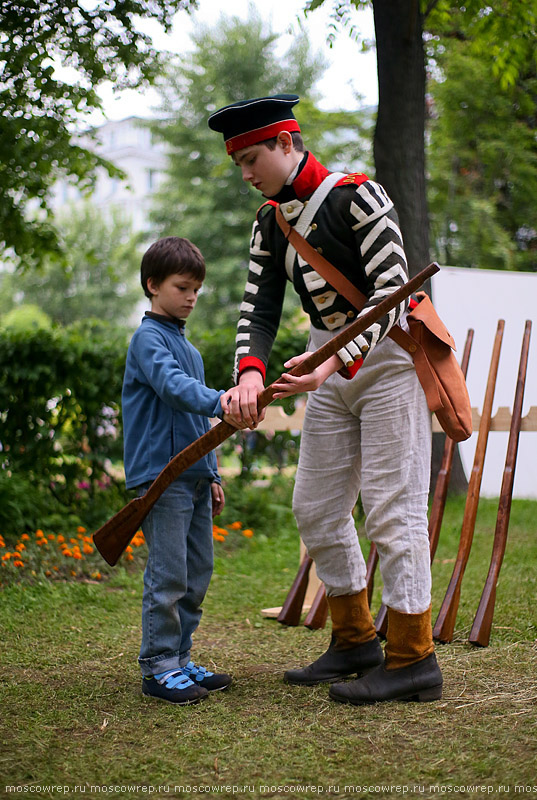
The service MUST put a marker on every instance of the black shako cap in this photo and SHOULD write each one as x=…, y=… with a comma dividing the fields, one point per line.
x=251, y=121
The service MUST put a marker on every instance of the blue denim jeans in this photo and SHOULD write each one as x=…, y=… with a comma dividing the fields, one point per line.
x=178, y=532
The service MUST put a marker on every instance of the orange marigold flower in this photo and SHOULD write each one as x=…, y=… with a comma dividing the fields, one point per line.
x=235, y=526
x=6, y=556
x=67, y=553
x=248, y=533
x=96, y=576
x=128, y=549
x=60, y=539
x=41, y=542
x=218, y=537
x=20, y=546
x=129, y=557
x=51, y=537
x=73, y=573
x=87, y=549
x=18, y=563
x=81, y=529
x=25, y=537
x=73, y=541
x=48, y=573
x=78, y=555
x=39, y=532
x=56, y=569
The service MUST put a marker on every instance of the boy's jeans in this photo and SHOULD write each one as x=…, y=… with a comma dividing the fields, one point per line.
x=178, y=532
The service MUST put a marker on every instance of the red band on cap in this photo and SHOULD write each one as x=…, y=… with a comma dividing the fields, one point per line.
x=260, y=134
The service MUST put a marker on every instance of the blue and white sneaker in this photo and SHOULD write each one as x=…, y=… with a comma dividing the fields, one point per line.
x=174, y=687
x=205, y=679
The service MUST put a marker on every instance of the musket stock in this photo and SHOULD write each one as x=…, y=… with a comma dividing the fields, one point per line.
x=318, y=613
x=113, y=537
x=445, y=622
x=292, y=607
x=480, y=632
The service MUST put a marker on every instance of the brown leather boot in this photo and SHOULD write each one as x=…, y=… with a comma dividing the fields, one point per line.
x=354, y=647
x=409, y=638
x=410, y=671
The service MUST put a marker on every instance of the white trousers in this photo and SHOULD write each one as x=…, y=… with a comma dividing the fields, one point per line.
x=370, y=435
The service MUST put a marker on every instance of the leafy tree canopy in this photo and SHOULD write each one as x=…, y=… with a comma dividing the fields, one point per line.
x=98, y=278
x=40, y=111
x=483, y=163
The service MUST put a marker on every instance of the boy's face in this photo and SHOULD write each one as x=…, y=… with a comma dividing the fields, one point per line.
x=267, y=170
x=175, y=296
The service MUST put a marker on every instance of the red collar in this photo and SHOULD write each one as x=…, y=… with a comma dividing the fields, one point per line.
x=310, y=177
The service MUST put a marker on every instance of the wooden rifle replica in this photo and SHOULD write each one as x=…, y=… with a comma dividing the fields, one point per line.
x=480, y=632
x=113, y=537
x=440, y=492
x=445, y=622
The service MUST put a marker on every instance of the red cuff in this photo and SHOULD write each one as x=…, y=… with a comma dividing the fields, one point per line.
x=251, y=361
x=350, y=372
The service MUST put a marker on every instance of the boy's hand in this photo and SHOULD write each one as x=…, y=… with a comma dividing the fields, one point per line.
x=218, y=499
x=288, y=385
x=241, y=401
x=231, y=406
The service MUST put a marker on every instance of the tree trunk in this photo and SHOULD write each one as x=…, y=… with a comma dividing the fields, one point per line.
x=399, y=143
x=399, y=148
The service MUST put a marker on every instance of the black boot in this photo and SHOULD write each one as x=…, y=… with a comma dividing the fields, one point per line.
x=336, y=664
x=421, y=682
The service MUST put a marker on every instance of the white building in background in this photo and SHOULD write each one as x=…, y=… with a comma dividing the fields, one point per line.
x=130, y=146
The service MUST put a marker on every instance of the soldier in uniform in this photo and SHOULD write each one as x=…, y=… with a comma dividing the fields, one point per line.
x=367, y=426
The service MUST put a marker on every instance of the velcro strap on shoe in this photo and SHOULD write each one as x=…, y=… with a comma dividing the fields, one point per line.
x=195, y=672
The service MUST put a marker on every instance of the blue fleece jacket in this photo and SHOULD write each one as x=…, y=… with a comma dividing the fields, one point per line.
x=166, y=405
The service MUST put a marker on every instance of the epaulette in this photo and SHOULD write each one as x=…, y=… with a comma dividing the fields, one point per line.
x=355, y=177
x=268, y=203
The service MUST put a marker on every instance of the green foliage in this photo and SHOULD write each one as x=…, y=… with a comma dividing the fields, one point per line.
x=60, y=392
x=98, y=278
x=264, y=508
x=39, y=110
x=26, y=316
x=204, y=197
x=483, y=163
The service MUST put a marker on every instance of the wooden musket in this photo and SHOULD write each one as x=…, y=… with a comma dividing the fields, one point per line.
x=445, y=622
x=292, y=607
x=318, y=613
x=113, y=537
x=480, y=633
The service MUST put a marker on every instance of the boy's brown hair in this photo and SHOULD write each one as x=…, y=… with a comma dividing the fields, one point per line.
x=171, y=255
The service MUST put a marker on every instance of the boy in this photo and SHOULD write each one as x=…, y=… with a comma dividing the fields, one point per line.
x=166, y=406
x=367, y=426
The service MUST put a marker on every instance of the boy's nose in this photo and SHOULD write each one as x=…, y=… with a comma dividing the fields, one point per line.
x=246, y=174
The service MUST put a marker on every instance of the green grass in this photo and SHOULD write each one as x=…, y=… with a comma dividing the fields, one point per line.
x=72, y=712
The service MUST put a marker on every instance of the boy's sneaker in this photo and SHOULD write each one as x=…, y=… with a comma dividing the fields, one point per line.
x=175, y=687
x=207, y=680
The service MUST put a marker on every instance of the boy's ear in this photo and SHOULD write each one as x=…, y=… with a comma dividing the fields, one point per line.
x=285, y=140
x=152, y=285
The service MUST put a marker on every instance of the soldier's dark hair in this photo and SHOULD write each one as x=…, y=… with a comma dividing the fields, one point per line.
x=171, y=255
x=298, y=142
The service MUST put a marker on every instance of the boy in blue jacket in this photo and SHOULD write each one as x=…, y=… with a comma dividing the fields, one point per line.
x=166, y=406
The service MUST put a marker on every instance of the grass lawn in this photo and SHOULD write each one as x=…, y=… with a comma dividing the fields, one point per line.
x=73, y=715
